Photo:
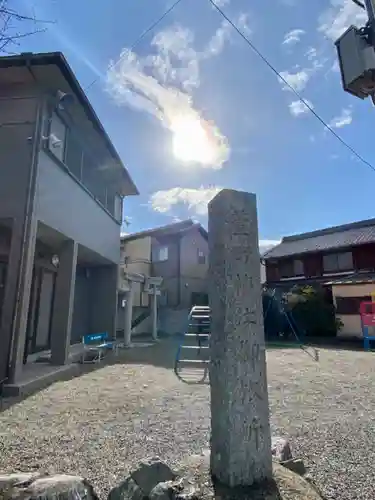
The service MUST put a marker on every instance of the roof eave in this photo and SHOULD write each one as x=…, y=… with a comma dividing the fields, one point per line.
x=60, y=61
x=161, y=232
x=284, y=256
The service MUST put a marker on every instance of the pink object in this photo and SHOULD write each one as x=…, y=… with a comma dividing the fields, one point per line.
x=367, y=312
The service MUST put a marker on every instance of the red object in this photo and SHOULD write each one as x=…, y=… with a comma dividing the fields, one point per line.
x=367, y=312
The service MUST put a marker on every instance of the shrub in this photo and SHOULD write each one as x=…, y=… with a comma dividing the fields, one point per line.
x=312, y=311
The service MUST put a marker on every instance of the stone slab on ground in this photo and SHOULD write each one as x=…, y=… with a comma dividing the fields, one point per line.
x=296, y=465
x=146, y=481
x=24, y=486
x=151, y=472
x=126, y=490
x=281, y=449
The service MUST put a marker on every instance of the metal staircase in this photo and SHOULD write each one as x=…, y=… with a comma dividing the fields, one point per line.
x=192, y=358
x=143, y=315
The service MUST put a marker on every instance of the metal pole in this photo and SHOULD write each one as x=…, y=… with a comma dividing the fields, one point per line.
x=370, y=7
x=154, y=314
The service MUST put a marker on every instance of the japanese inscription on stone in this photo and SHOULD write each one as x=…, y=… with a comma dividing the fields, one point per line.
x=239, y=399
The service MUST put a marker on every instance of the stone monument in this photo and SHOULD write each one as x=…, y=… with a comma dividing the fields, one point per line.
x=240, y=429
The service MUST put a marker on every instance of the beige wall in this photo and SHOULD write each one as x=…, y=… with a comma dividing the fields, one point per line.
x=193, y=274
x=138, y=254
x=190, y=244
x=352, y=323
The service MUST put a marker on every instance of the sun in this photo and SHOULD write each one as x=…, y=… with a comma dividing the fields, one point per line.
x=191, y=141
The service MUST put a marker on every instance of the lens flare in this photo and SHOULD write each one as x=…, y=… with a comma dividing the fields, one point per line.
x=192, y=140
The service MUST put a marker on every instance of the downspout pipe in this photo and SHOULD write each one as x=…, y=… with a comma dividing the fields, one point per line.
x=28, y=214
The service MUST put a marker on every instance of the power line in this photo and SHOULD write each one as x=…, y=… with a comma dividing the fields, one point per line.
x=140, y=38
x=297, y=94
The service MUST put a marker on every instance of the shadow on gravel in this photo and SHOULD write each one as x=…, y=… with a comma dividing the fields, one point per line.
x=161, y=354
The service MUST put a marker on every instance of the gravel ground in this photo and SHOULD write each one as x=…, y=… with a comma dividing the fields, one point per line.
x=102, y=423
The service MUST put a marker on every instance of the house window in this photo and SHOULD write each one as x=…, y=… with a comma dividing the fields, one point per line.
x=286, y=269
x=3, y=270
x=298, y=267
x=92, y=178
x=74, y=156
x=57, y=137
x=350, y=305
x=336, y=262
x=118, y=208
x=160, y=254
x=201, y=257
x=291, y=267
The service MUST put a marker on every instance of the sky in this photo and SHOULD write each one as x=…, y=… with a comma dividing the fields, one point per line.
x=192, y=109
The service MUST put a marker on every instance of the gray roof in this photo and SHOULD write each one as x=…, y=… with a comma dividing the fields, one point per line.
x=348, y=235
x=169, y=230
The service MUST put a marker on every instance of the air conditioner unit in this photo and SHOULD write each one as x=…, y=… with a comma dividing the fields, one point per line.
x=357, y=62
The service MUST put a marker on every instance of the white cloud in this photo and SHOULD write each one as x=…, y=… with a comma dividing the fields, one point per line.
x=161, y=83
x=345, y=118
x=297, y=80
x=196, y=200
x=176, y=61
x=265, y=245
x=298, y=108
x=339, y=16
x=335, y=66
x=293, y=37
x=222, y=3
x=217, y=42
x=243, y=23
x=311, y=53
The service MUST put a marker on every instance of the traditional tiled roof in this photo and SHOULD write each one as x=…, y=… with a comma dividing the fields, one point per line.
x=169, y=230
x=347, y=235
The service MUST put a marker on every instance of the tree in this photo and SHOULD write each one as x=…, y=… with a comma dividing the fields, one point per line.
x=312, y=312
x=15, y=25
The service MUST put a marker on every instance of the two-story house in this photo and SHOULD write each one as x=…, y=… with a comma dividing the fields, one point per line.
x=61, y=189
x=340, y=258
x=178, y=255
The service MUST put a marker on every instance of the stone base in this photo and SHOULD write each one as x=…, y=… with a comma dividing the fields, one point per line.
x=286, y=484
x=154, y=480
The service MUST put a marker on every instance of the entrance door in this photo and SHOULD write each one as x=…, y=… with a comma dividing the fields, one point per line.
x=40, y=312
x=43, y=323
x=199, y=299
x=3, y=270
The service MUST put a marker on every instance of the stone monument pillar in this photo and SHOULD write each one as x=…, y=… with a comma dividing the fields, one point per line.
x=128, y=316
x=240, y=429
x=154, y=313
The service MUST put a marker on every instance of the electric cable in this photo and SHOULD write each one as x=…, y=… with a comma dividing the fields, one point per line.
x=140, y=38
x=295, y=92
